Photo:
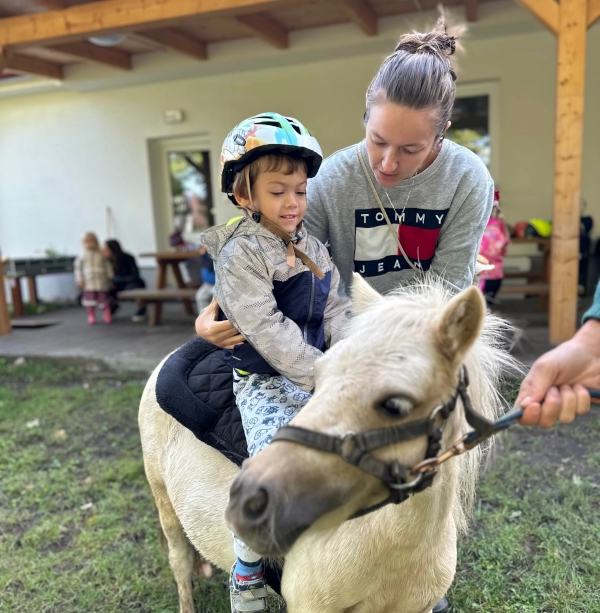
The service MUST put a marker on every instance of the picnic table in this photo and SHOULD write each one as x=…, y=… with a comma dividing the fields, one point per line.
x=160, y=293
x=29, y=268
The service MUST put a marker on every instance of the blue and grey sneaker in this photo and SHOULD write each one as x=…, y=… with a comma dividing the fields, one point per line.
x=248, y=593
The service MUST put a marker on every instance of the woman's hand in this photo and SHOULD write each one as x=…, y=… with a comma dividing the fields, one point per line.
x=219, y=333
x=555, y=388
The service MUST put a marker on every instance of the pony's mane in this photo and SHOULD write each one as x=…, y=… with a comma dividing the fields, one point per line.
x=414, y=308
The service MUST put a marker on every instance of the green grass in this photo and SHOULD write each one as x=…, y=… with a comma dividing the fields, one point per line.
x=39, y=307
x=534, y=546
x=68, y=438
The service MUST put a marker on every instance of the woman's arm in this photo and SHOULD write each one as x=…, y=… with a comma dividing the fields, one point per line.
x=338, y=310
x=220, y=333
x=459, y=242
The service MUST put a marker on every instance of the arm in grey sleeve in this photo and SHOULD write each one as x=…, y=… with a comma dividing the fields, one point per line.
x=338, y=311
x=459, y=242
x=316, y=218
x=245, y=294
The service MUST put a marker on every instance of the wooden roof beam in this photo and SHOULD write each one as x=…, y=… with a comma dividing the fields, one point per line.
x=362, y=15
x=30, y=65
x=92, y=53
x=175, y=40
x=545, y=11
x=471, y=10
x=265, y=28
x=109, y=16
x=53, y=5
x=593, y=12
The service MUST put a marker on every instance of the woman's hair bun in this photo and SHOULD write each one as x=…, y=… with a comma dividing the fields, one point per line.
x=437, y=42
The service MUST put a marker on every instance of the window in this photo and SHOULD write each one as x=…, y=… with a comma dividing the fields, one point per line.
x=191, y=198
x=474, y=123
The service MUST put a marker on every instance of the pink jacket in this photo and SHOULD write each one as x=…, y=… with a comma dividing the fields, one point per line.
x=493, y=247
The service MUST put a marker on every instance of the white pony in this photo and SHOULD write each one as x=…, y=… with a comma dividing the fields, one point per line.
x=401, y=359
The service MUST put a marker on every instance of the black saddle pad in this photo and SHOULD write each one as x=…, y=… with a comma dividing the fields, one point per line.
x=195, y=387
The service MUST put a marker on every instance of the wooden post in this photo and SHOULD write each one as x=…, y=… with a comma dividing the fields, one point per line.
x=567, y=168
x=5, y=327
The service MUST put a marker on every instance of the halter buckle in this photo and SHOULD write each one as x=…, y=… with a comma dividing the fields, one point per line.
x=407, y=486
x=348, y=447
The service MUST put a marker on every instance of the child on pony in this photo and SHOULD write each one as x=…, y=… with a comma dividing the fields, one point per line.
x=278, y=287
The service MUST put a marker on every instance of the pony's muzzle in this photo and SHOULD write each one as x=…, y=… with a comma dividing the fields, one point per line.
x=257, y=515
x=248, y=503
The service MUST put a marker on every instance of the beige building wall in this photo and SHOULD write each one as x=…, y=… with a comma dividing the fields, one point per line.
x=65, y=156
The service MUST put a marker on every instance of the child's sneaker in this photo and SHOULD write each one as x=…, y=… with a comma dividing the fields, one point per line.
x=91, y=319
x=107, y=316
x=248, y=593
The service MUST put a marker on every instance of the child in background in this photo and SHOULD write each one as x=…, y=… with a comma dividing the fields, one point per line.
x=193, y=266
x=493, y=247
x=93, y=275
x=204, y=295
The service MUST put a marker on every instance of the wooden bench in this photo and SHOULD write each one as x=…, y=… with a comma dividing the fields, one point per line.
x=530, y=289
x=156, y=297
x=533, y=289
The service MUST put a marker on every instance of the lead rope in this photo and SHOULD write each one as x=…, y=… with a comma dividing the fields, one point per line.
x=395, y=234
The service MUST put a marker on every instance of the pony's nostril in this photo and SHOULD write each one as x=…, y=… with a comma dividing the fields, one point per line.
x=256, y=505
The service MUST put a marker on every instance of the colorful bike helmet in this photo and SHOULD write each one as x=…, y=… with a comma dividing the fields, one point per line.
x=263, y=134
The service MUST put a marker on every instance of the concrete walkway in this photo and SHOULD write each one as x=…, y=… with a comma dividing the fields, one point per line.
x=137, y=346
x=123, y=344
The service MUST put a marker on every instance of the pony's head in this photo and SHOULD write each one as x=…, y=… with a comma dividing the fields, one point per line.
x=400, y=360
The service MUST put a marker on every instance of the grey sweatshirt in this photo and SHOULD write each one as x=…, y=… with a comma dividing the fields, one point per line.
x=444, y=211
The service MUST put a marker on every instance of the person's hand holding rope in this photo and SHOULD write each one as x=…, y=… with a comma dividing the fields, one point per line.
x=555, y=388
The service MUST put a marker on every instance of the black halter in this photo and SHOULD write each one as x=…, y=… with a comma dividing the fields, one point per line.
x=355, y=448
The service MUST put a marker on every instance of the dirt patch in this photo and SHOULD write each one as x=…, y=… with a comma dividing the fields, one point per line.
x=564, y=449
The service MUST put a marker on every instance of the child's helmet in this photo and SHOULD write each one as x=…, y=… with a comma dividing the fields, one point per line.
x=264, y=134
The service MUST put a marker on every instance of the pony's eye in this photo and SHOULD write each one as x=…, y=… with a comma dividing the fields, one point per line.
x=396, y=407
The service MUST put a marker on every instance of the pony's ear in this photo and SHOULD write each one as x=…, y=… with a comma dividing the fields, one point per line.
x=460, y=324
x=363, y=295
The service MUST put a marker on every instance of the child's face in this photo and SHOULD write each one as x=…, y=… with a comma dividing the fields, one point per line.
x=280, y=198
x=89, y=244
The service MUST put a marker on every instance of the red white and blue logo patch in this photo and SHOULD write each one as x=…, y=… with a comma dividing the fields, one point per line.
x=376, y=250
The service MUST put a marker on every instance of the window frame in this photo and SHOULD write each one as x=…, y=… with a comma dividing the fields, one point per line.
x=491, y=90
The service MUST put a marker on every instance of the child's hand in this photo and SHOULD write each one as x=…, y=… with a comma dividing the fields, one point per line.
x=80, y=284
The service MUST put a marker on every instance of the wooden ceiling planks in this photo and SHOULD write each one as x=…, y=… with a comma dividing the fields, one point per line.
x=176, y=40
x=184, y=26
x=20, y=63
